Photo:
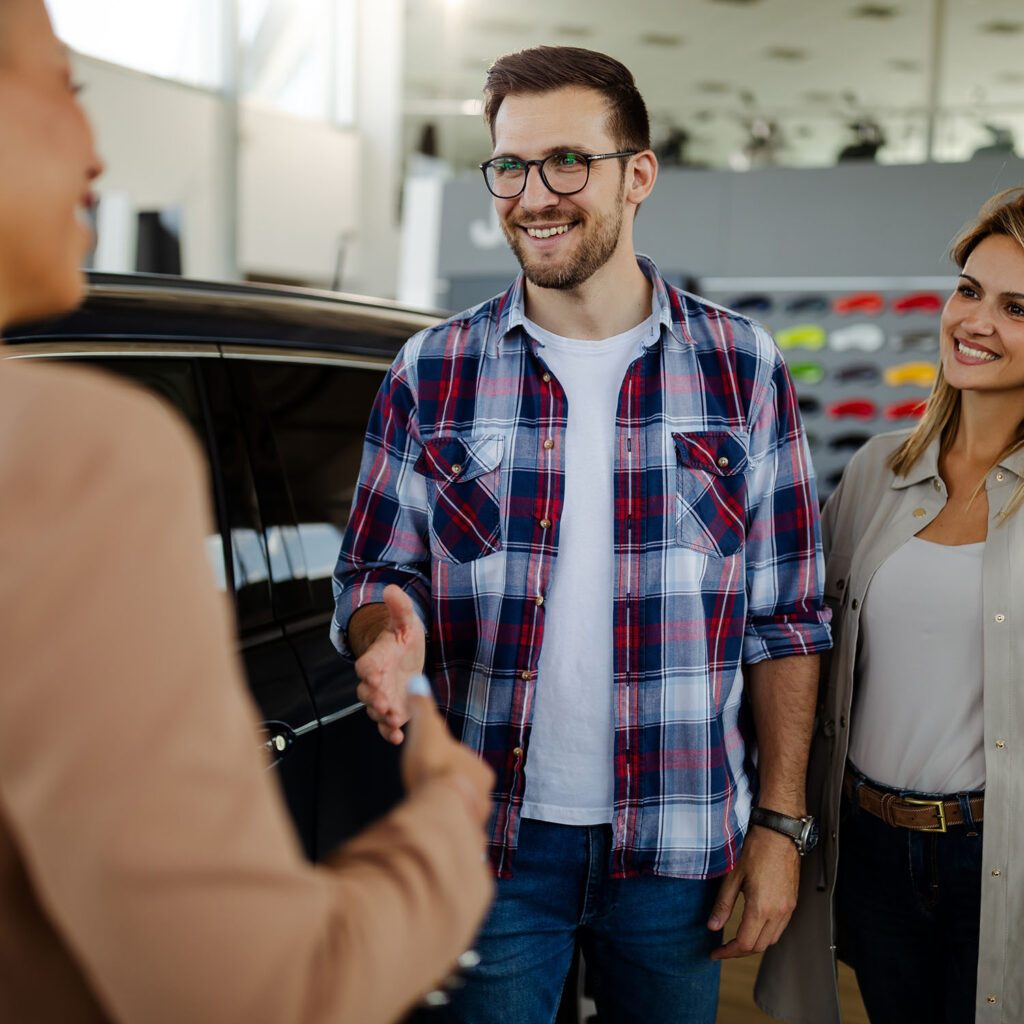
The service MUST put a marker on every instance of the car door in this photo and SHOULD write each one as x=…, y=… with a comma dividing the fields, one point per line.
x=305, y=415
x=191, y=378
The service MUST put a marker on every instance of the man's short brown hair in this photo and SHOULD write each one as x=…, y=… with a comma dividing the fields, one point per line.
x=545, y=68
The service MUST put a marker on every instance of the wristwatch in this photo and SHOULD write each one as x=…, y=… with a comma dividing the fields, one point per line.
x=803, y=831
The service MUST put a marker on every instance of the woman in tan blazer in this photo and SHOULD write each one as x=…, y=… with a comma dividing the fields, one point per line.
x=148, y=871
x=918, y=765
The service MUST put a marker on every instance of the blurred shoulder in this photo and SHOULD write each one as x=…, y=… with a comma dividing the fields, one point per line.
x=68, y=428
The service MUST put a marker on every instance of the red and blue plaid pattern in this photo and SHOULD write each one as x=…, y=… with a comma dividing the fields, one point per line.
x=717, y=554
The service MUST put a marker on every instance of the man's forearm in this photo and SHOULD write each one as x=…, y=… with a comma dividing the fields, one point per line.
x=365, y=625
x=783, y=693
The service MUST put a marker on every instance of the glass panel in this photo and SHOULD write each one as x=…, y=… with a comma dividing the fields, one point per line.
x=178, y=39
x=318, y=416
x=298, y=57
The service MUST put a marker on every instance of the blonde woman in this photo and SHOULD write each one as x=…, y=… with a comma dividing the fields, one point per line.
x=918, y=766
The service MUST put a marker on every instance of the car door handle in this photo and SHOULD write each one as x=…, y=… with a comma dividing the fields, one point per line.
x=279, y=739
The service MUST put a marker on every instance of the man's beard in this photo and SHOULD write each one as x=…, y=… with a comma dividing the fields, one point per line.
x=593, y=251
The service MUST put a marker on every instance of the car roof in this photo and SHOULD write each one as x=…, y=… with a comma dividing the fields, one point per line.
x=157, y=308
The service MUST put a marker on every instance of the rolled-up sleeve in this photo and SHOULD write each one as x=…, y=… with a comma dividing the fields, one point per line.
x=785, y=567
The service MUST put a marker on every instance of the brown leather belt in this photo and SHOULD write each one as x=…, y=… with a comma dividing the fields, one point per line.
x=903, y=812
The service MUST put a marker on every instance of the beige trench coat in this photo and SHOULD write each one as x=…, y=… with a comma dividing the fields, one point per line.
x=870, y=515
x=148, y=870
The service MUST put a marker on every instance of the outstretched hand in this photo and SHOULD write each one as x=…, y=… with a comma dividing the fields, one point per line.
x=432, y=753
x=384, y=668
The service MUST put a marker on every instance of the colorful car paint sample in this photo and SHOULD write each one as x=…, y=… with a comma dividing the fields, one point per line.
x=918, y=302
x=919, y=373
x=751, y=304
x=912, y=409
x=860, y=373
x=859, y=302
x=917, y=341
x=810, y=336
x=865, y=337
x=852, y=408
x=807, y=304
x=807, y=373
x=849, y=442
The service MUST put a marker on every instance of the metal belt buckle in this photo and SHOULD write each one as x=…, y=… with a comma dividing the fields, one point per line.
x=938, y=805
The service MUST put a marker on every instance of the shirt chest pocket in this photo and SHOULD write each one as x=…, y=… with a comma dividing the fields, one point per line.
x=463, y=480
x=711, y=491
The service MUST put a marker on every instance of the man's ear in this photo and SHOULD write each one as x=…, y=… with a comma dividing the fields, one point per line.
x=641, y=173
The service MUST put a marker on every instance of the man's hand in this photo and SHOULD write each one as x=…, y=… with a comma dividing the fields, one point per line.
x=768, y=875
x=387, y=662
x=432, y=753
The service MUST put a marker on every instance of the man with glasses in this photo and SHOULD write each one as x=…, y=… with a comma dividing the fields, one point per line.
x=594, y=491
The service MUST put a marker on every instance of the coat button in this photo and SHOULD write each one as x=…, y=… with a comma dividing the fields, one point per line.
x=538, y=600
x=855, y=604
x=545, y=524
x=546, y=378
x=938, y=486
x=456, y=469
x=996, y=872
x=517, y=753
x=549, y=444
x=525, y=674
x=919, y=513
x=1000, y=617
x=1000, y=744
x=1000, y=477
x=993, y=999
x=723, y=462
x=829, y=729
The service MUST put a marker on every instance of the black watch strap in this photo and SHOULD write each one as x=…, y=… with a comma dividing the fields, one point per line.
x=803, y=831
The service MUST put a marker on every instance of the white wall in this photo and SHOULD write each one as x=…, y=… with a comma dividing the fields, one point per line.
x=298, y=188
x=298, y=196
x=163, y=145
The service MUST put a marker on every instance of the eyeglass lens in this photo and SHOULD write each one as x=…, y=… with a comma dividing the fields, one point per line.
x=563, y=173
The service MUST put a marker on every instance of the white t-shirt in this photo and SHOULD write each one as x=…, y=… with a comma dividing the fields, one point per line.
x=918, y=720
x=570, y=769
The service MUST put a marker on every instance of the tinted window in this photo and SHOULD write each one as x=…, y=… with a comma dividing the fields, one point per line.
x=316, y=417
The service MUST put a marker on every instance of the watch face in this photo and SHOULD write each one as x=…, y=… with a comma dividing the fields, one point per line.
x=810, y=836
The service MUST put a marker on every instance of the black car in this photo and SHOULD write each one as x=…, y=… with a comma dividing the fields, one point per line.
x=277, y=384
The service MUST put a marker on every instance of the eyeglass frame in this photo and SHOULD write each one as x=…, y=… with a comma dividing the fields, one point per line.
x=589, y=158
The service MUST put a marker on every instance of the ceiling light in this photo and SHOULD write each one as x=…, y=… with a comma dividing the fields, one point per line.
x=667, y=39
x=1003, y=28
x=876, y=11
x=713, y=88
x=791, y=53
x=903, y=64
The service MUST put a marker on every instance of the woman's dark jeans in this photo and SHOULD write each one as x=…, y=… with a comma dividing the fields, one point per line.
x=909, y=905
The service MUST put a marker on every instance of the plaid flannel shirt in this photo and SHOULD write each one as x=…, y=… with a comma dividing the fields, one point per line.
x=717, y=554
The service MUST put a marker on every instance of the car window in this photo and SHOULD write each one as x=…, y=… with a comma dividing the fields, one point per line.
x=317, y=416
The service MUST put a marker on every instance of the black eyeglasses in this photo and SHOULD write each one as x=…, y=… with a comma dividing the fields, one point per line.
x=562, y=173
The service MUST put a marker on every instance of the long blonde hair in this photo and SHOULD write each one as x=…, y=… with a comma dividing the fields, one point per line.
x=1003, y=214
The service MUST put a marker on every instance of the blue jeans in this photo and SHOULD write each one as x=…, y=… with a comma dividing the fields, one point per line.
x=645, y=940
x=909, y=905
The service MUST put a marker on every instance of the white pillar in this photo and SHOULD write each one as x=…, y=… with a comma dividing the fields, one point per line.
x=372, y=266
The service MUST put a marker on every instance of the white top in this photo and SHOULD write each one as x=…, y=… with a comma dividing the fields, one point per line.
x=918, y=711
x=569, y=769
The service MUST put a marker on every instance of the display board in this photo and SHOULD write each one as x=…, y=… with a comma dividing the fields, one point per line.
x=862, y=352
